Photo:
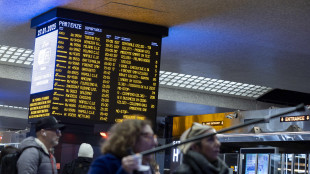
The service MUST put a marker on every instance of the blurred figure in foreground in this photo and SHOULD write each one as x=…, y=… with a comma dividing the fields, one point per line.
x=201, y=156
x=6, y=150
x=81, y=164
x=130, y=135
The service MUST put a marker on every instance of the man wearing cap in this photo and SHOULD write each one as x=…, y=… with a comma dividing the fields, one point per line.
x=201, y=156
x=38, y=159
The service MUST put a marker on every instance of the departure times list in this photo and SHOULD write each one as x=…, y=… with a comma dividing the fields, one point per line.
x=96, y=74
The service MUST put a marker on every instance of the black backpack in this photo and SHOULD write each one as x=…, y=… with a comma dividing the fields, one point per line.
x=76, y=167
x=9, y=161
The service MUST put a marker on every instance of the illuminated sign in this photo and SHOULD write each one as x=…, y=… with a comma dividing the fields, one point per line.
x=90, y=72
x=294, y=118
x=176, y=153
x=217, y=120
x=213, y=123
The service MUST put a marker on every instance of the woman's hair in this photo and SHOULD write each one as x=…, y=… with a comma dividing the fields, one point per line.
x=7, y=150
x=123, y=136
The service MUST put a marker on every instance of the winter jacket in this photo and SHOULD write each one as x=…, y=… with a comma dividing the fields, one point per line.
x=77, y=166
x=107, y=164
x=34, y=161
x=195, y=163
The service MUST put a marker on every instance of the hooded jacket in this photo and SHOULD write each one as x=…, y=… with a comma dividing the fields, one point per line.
x=195, y=163
x=34, y=161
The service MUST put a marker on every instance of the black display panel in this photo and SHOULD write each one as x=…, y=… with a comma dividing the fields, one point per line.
x=86, y=72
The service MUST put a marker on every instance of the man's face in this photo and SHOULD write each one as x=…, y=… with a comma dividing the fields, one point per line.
x=209, y=147
x=52, y=136
x=146, y=140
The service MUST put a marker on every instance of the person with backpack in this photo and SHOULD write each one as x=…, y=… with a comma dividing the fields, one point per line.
x=36, y=153
x=6, y=150
x=81, y=164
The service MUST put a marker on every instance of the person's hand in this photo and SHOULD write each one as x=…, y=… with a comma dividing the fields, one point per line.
x=130, y=163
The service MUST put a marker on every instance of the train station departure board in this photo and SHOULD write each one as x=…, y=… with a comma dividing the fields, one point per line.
x=85, y=71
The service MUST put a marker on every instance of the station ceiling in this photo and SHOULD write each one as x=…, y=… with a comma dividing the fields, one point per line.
x=262, y=43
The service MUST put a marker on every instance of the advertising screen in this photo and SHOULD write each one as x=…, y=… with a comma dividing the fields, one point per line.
x=250, y=163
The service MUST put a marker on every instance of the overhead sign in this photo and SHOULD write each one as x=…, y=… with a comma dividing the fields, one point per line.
x=294, y=118
x=89, y=72
x=213, y=123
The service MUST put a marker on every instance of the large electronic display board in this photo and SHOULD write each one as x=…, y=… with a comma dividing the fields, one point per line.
x=85, y=71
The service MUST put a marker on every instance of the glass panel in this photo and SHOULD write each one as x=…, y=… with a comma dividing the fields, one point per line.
x=231, y=159
x=250, y=163
x=300, y=163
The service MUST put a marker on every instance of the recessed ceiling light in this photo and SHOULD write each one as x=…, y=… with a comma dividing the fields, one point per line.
x=20, y=50
x=13, y=49
x=213, y=90
x=190, y=80
x=4, y=47
x=4, y=59
x=208, y=89
x=183, y=78
x=17, y=54
x=27, y=63
x=166, y=79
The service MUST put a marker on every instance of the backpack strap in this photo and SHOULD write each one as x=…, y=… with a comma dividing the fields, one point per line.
x=40, y=150
x=72, y=166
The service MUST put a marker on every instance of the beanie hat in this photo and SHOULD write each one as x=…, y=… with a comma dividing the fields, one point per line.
x=195, y=130
x=86, y=151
